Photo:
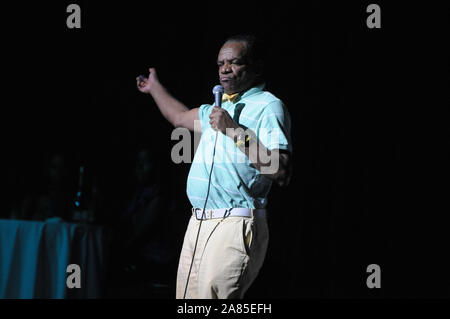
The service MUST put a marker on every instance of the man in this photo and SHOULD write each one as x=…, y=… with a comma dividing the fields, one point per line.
x=253, y=149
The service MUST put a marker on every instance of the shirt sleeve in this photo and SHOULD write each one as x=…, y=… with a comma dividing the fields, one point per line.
x=203, y=113
x=274, y=129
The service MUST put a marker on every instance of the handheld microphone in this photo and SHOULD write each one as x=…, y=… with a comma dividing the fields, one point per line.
x=218, y=92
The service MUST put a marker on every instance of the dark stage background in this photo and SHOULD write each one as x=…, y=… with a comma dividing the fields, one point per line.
x=369, y=132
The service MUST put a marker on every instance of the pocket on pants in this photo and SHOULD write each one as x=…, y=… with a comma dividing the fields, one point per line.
x=247, y=235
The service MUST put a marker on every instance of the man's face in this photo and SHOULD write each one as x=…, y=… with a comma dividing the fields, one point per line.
x=234, y=71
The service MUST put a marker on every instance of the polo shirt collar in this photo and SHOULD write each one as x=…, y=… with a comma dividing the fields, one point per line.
x=237, y=96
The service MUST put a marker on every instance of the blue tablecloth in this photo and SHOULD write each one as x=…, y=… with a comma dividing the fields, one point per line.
x=34, y=257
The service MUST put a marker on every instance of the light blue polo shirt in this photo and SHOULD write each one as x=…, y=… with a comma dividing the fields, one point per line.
x=235, y=182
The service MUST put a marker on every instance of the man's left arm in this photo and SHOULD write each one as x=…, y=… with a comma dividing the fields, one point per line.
x=282, y=176
x=275, y=164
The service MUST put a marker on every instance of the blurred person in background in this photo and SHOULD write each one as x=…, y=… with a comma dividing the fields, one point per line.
x=141, y=250
x=52, y=197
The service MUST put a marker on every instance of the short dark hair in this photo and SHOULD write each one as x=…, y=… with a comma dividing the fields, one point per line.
x=254, y=49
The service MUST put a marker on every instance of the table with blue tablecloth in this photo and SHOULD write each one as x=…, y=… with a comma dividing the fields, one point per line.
x=34, y=257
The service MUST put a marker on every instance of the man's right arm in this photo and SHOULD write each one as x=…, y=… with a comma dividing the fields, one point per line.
x=172, y=109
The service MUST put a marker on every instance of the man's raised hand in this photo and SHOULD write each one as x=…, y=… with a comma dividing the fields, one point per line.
x=145, y=84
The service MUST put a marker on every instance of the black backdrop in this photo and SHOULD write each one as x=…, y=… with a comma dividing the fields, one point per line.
x=365, y=107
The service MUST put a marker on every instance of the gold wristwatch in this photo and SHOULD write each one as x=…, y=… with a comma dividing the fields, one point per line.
x=242, y=139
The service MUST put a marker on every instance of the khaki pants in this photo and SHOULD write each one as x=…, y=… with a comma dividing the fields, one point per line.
x=229, y=255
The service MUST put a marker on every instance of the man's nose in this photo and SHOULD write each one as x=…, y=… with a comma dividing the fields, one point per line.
x=226, y=68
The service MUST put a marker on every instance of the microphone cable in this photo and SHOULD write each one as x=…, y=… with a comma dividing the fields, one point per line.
x=203, y=215
x=217, y=91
